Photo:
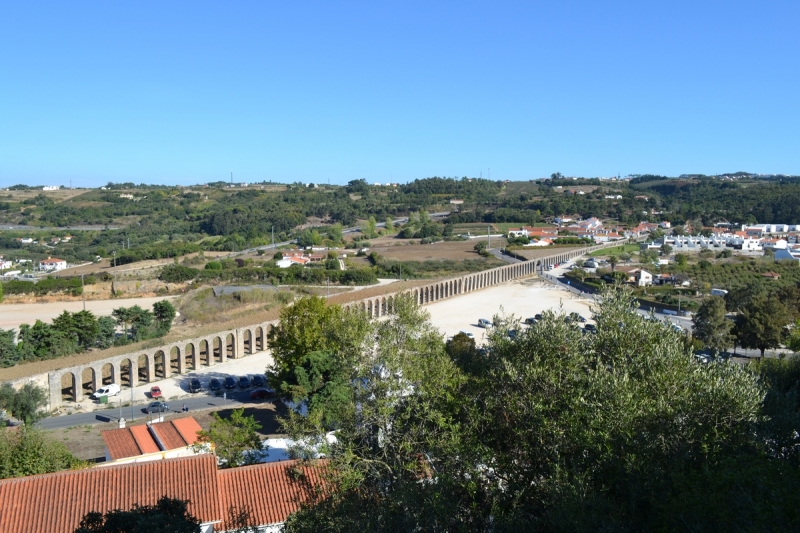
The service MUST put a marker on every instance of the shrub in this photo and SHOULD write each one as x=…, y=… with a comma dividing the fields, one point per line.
x=178, y=273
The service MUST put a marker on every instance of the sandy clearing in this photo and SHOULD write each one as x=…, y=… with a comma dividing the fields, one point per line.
x=521, y=298
x=11, y=316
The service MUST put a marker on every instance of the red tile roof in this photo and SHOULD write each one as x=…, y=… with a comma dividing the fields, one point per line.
x=140, y=440
x=55, y=503
x=272, y=491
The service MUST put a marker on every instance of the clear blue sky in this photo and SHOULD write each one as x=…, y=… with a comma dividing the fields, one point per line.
x=185, y=92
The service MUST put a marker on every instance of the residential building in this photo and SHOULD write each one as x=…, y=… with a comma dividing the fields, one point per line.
x=56, y=503
x=52, y=264
x=151, y=442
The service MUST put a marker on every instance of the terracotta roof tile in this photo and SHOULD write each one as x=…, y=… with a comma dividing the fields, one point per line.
x=120, y=444
x=270, y=490
x=144, y=440
x=188, y=428
x=55, y=503
x=169, y=435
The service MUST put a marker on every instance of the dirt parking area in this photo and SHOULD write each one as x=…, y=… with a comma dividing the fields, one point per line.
x=520, y=298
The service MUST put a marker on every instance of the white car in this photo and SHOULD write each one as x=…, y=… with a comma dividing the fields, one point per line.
x=484, y=323
x=108, y=390
x=468, y=334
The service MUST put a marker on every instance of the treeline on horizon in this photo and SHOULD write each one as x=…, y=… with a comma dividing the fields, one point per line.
x=167, y=221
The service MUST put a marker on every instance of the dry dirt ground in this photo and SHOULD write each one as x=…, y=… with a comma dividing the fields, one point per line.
x=535, y=253
x=14, y=314
x=404, y=250
x=57, y=196
x=86, y=442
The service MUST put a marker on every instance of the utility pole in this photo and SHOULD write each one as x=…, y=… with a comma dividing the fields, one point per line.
x=489, y=238
x=273, y=237
x=83, y=293
x=231, y=177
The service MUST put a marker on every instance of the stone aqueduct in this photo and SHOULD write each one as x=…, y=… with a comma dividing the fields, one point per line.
x=74, y=383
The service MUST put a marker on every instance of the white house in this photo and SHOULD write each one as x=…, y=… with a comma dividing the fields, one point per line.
x=52, y=264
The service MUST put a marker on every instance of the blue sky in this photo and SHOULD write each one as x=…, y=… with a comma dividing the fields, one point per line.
x=186, y=92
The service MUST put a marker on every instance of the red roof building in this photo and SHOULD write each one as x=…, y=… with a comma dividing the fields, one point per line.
x=162, y=438
x=55, y=503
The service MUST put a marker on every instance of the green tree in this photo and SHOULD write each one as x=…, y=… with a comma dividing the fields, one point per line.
x=303, y=328
x=389, y=225
x=235, y=439
x=335, y=233
x=8, y=348
x=29, y=452
x=710, y=325
x=167, y=515
x=370, y=229
x=567, y=431
x=164, y=313
x=681, y=260
x=665, y=249
x=613, y=260
x=760, y=324
x=106, y=330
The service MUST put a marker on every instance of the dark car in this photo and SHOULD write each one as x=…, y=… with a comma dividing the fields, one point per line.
x=537, y=316
x=157, y=407
x=230, y=383
x=244, y=382
x=530, y=321
x=214, y=384
x=194, y=385
x=591, y=328
x=262, y=394
x=259, y=381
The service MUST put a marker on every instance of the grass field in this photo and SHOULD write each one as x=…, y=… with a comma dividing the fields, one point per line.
x=617, y=250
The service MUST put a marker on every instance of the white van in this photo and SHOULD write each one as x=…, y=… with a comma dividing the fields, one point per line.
x=108, y=390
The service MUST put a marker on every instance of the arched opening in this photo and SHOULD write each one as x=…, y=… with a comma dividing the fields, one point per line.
x=248, y=342
x=125, y=373
x=144, y=368
x=230, y=346
x=68, y=387
x=205, y=358
x=107, y=376
x=190, y=357
x=87, y=380
x=160, y=368
x=369, y=309
x=259, y=339
x=175, y=360
x=217, y=350
x=383, y=306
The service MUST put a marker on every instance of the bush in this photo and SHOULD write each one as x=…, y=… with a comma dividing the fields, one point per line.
x=178, y=273
x=213, y=265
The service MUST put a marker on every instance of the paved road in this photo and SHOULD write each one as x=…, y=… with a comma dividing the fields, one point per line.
x=198, y=401
x=503, y=257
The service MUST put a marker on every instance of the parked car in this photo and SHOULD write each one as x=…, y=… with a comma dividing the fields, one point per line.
x=230, y=383
x=512, y=334
x=155, y=392
x=262, y=394
x=537, y=316
x=259, y=381
x=467, y=333
x=484, y=323
x=214, y=384
x=244, y=382
x=157, y=407
x=108, y=390
x=591, y=328
x=530, y=321
x=194, y=385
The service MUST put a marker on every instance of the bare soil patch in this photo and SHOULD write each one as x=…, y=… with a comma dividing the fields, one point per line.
x=536, y=253
x=403, y=250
